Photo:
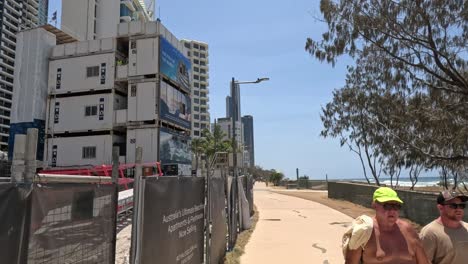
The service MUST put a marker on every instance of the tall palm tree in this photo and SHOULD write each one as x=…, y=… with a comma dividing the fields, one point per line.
x=216, y=142
x=198, y=149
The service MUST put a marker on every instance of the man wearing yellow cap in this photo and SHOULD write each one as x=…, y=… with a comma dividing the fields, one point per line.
x=393, y=240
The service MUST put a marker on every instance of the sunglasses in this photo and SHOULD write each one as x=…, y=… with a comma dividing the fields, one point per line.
x=391, y=206
x=455, y=205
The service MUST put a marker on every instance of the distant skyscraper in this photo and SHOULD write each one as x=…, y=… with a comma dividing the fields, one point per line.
x=247, y=123
x=43, y=11
x=15, y=15
x=198, y=54
x=229, y=105
x=225, y=124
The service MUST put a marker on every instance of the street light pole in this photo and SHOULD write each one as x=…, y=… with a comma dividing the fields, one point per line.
x=236, y=115
x=235, y=89
x=234, y=206
x=234, y=119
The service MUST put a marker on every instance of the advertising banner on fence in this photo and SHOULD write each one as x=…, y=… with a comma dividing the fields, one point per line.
x=175, y=106
x=14, y=203
x=173, y=220
x=174, y=65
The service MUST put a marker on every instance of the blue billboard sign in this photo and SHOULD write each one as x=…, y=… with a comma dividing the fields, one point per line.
x=175, y=106
x=174, y=148
x=174, y=65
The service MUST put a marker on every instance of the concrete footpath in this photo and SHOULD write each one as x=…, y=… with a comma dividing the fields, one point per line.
x=292, y=230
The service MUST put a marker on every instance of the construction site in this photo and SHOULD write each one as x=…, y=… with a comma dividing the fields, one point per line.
x=99, y=142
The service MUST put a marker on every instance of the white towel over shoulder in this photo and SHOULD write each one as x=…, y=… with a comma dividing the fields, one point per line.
x=358, y=233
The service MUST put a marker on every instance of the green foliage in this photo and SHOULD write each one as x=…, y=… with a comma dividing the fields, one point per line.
x=276, y=177
x=211, y=143
x=198, y=149
x=259, y=173
x=215, y=142
x=405, y=102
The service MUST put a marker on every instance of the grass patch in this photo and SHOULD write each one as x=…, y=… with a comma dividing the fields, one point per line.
x=233, y=257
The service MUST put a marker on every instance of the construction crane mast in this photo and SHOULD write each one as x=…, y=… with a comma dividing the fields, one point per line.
x=150, y=8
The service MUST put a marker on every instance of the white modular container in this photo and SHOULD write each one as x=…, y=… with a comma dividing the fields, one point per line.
x=83, y=73
x=122, y=72
x=148, y=139
x=142, y=101
x=135, y=28
x=81, y=48
x=33, y=48
x=165, y=33
x=84, y=113
x=82, y=150
x=143, y=56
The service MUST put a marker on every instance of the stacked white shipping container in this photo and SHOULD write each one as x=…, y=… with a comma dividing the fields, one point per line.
x=107, y=92
x=145, y=81
x=83, y=98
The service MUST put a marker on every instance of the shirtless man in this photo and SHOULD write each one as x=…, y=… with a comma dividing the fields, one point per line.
x=393, y=240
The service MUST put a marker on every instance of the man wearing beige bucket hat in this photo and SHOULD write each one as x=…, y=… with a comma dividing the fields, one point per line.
x=392, y=240
x=446, y=238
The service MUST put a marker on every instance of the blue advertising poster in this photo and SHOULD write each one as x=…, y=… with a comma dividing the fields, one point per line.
x=174, y=148
x=175, y=106
x=174, y=64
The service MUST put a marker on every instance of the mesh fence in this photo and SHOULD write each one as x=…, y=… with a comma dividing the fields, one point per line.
x=72, y=223
x=219, y=227
x=5, y=168
x=14, y=206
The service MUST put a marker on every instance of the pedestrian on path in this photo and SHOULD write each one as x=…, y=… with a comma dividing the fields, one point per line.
x=393, y=240
x=445, y=239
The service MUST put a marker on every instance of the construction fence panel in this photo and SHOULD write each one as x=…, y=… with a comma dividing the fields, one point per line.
x=173, y=220
x=247, y=182
x=244, y=210
x=72, y=223
x=232, y=212
x=5, y=168
x=218, y=220
x=249, y=193
x=14, y=207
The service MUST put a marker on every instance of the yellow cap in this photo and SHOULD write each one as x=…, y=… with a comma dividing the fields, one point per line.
x=385, y=194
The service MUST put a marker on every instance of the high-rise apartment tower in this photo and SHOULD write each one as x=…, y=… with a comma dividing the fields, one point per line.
x=198, y=54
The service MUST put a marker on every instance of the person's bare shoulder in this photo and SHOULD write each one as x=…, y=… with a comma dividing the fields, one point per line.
x=407, y=228
x=404, y=224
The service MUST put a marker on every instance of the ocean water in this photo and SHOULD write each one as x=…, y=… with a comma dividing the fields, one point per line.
x=422, y=181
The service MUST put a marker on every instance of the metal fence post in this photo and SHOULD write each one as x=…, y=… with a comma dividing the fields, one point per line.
x=115, y=164
x=18, y=163
x=31, y=153
x=208, y=213
x=115, y=182
x=137, y=208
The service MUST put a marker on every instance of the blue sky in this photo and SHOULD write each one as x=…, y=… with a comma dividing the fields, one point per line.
x=251, y=39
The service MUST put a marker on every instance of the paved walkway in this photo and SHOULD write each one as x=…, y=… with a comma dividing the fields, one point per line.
x=293, y=231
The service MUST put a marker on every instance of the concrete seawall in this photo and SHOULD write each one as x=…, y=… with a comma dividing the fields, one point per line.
x=418, y=207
